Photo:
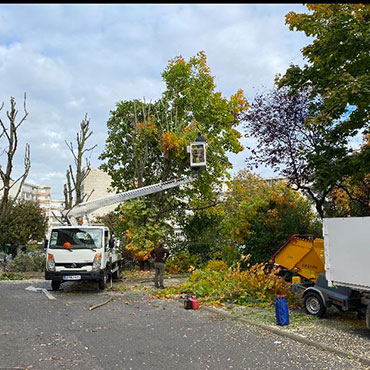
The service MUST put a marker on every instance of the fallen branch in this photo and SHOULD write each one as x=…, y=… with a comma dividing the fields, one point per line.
x=91, y=307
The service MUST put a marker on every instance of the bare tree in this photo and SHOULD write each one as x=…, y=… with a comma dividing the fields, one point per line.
x=10, y=133
x=75, y=179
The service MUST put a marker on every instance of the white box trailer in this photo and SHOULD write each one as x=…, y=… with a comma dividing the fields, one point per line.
x=347, y=252
x=347, y=255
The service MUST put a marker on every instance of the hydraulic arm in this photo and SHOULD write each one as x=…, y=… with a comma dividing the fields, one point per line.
x=84, y=209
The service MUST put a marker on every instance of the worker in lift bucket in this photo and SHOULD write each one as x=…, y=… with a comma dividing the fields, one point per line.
x=198, y=154
x=160, y=255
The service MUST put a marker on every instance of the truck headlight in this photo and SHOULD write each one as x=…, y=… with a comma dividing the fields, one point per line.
x=97, y=262
x=50, y=263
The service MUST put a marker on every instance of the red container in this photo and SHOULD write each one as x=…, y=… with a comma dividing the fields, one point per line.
x=194, y=303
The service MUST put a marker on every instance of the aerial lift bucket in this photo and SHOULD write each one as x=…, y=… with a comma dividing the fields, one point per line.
x=303, y=255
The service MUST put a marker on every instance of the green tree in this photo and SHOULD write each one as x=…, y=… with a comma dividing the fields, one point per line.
x=25, y=223
x=111, y=220
x=141, y=228
x=337, y=71
x=204, y=234
x=147, y=142
x=259, y=218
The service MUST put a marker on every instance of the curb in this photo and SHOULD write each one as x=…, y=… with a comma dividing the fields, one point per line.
x=295, y=337
x=151, y=279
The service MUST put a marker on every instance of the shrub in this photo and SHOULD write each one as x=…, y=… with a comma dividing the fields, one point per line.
x=11, y=276
x=216, y=266
x=181, y=263
x=230, y=254
x=219, y=283
x=28, y=263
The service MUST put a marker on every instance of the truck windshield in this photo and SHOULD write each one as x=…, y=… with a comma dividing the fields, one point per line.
x=79, y=238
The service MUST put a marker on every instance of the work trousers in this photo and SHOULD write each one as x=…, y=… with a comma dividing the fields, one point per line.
x=159, y=273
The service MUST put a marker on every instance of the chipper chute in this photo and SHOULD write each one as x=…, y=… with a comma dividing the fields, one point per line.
x=303, y=255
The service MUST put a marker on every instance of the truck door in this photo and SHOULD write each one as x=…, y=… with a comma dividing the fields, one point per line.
x=106, y=245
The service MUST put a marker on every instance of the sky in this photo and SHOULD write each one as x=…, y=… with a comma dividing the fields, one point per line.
x=75, y=59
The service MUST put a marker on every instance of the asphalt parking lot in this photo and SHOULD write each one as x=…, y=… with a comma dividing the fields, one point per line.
x=136, y=331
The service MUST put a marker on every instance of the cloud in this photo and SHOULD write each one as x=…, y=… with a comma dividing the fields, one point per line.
x=77, y=59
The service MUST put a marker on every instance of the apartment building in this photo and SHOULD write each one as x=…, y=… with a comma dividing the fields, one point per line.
x=275, y=180
x=55, y=212
x=40, y=194
x=97, y=185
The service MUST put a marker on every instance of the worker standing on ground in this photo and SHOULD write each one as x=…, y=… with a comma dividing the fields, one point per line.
x=160, y=255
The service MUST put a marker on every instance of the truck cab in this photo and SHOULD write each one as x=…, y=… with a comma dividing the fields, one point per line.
x=80, y=253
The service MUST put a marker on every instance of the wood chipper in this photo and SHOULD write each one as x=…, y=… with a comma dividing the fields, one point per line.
x=302, y=255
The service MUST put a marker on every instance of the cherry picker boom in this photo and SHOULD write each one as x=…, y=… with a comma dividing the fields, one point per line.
x=84, y=209
x=85, y=252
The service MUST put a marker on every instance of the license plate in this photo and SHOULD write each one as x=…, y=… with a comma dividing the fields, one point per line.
x=72, y=277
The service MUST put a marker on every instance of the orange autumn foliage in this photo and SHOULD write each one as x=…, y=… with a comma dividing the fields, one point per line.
x=172, y=142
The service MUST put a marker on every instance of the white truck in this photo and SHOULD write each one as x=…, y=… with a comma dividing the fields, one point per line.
x=80, y=251
x=347, y=256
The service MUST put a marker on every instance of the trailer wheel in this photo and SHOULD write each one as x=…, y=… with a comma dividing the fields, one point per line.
x=55, y=285
x=368, y=316
x=314, y=305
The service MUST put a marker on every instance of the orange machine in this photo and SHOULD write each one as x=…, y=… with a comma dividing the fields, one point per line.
x=303, y=255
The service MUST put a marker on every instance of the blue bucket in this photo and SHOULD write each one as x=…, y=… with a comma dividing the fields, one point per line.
x=281, y=310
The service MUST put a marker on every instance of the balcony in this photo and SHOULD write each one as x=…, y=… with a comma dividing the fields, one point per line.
x=43, y=201
x=42, y=193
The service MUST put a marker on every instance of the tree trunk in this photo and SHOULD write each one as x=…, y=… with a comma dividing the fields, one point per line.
x=75, y=180
x=10, y=132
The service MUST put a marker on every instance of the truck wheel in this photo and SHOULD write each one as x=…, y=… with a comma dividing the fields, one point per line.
x=117, y=274
x=102, y=282
x=314, y=305
x=368, y=316
x=55, y=285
